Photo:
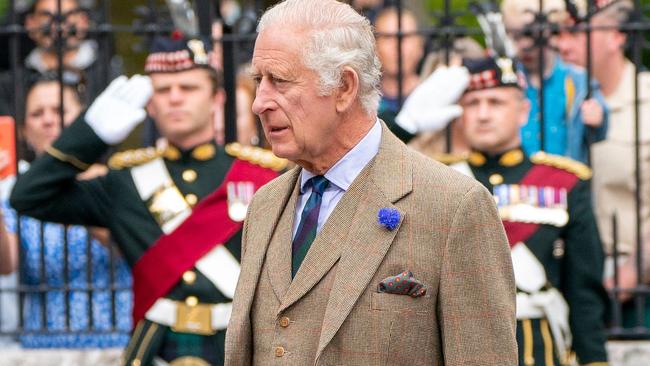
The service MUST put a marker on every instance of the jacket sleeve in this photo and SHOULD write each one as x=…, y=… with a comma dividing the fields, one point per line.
x=476, y=302
x=49, y=190
x=582, y=278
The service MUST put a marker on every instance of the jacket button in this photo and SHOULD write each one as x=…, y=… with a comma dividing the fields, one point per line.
x=189, y=277
x=284, y=322
x=191, y=199
x=189, y=175
x=191, y=301
x=279, y=351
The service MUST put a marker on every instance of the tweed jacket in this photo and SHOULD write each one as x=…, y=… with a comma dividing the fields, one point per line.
x=449, y=236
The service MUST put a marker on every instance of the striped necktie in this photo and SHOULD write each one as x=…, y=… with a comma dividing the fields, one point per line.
x=308, y=223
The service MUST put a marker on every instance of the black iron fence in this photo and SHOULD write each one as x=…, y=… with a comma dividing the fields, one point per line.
x=37, y=285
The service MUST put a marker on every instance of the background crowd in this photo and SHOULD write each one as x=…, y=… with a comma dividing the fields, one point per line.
x=74, y=284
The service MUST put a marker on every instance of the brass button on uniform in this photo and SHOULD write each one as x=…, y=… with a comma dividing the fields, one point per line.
x=135, y=363
x=279, y=351
x=284, y=322
x=191, y=199
x=496, y=179
x=189, y=277
x=189, y=175
x=191, y=301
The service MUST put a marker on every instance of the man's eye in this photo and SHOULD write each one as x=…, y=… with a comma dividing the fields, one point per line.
x=277, y=80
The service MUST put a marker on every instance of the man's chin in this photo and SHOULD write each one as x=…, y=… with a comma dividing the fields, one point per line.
x=283, y=151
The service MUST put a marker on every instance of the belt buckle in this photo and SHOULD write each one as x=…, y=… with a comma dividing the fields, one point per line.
x=196, y=319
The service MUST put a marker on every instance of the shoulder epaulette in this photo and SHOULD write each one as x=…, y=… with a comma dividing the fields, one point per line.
x=131, y=158
x=449, y=159
x=256, y=155
x=562, y=162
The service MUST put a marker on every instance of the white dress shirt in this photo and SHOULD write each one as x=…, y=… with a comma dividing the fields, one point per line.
x=340, y=176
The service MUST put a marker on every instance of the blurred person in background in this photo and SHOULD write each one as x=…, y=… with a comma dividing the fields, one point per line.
x=80, y=55
x=544, y=202
x=613, y=159
x=571, y=121
x=248, y=132
x=368, y=8
x=422, y=120
x=176, y=212
x=42, y=244
x=386, y=29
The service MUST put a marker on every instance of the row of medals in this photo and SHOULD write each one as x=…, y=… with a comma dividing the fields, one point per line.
x=532, y=204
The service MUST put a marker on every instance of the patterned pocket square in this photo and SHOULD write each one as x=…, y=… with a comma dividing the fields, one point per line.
x=403, y=284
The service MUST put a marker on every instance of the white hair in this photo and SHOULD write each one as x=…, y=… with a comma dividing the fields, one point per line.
x=338, y=37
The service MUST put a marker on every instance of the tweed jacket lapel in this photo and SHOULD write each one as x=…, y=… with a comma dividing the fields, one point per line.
x=386, y=181
x=279, y=252
x=326, y=248
x=271, y=205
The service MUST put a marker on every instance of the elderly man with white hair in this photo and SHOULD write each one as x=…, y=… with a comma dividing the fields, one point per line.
x=366, y=253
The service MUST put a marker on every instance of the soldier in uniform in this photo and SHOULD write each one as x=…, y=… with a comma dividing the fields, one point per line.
x=545, y=204
x=176, y=212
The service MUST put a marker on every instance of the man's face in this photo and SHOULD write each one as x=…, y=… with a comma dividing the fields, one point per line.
x=518, y=28
x=300, y=124
x=412, y=45
x=183, y=104
x=604, y=44
x=74, y=23
x=492, y=118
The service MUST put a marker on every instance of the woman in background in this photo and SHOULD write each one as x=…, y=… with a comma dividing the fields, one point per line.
x=42, y=250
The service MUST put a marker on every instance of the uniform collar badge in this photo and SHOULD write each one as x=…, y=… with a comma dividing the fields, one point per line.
x=512, y=158
x=476, y=158
x=204, y=152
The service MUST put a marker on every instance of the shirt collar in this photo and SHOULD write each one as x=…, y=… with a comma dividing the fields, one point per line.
x=346, y=170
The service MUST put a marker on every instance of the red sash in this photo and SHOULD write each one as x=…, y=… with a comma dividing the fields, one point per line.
x=544, y=176
x=209, y=225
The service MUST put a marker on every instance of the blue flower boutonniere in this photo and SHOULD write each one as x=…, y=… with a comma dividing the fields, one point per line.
x=388, y=217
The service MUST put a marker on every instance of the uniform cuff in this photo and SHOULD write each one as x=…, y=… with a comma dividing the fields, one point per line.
x=78, y=145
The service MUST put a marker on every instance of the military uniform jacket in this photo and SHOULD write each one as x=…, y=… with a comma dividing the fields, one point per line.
x=566, y=244
x=49, y=191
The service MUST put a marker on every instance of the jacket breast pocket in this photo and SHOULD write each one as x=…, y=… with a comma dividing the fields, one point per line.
x=400, y=303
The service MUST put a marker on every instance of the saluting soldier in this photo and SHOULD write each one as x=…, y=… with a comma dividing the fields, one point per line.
x=176, y=212
x=545, y=204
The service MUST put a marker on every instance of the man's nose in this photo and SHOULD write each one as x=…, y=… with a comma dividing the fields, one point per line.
x=263, y=101
x=484, y=111
x=176, y=95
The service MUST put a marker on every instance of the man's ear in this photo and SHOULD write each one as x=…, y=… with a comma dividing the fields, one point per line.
x=219, y=97
x=219, y=100
x=151, y=111
x=524, y=111
x=620, y=39
x=348, y=90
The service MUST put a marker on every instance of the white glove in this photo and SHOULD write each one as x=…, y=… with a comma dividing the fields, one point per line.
x=119, y=108
x=432, y=105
